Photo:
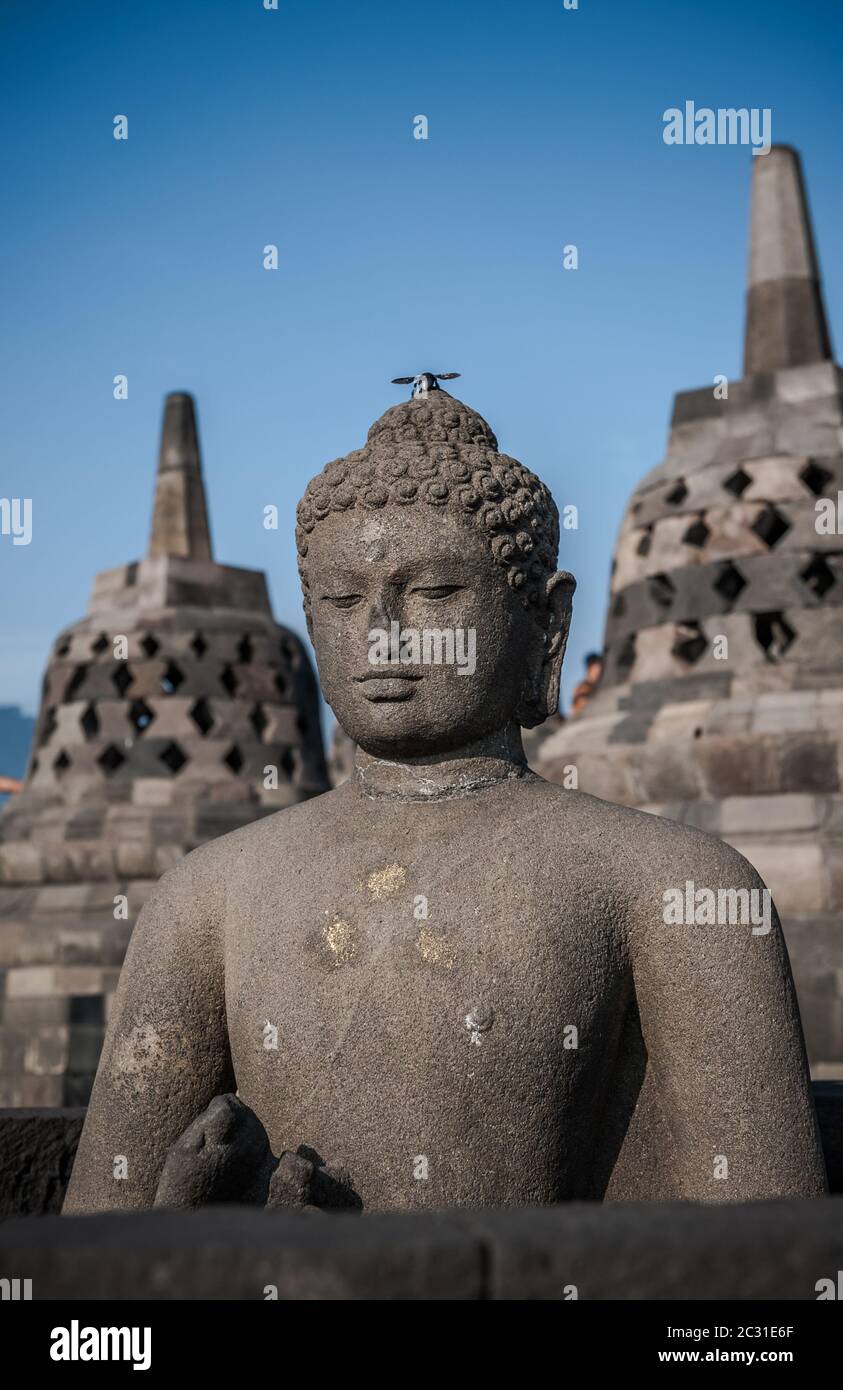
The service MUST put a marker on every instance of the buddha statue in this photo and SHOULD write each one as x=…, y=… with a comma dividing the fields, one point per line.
x=447, y=982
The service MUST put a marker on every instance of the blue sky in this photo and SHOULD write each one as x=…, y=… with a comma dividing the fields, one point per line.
x=294, y=127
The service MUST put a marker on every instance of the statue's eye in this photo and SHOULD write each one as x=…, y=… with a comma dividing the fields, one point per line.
x=438, y=590
x=342, y=600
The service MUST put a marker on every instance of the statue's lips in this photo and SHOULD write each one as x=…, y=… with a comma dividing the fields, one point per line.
x=387, y=685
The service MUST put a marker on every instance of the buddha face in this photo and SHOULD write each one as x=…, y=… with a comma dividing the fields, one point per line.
x=421, y=643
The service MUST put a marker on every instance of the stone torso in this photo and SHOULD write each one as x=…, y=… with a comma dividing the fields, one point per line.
x=420, y=991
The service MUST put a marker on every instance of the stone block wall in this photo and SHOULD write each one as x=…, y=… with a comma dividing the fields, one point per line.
x=758, y=1250
x=721, y=705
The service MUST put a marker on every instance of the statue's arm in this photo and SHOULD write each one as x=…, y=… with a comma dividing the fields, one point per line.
x=728, y=1078
x=166, y=1051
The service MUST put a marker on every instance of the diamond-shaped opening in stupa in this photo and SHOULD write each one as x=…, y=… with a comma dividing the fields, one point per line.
x=662, y=590
x=49, y=726
x=690, y=642
x=110, y=759
x=626, y=655
x=729, y=582
x=234, y=759
x=202, y=717
x=173, y=758
x=815, y=478
x=229, y=681
x=819, y=576
x=770, y=525
x=74, y=685
x=289, y=652
x=90, y=722
x=259, y=720
x=773, y=634
x=121, y=679
x=172, y=678
x=737, y=483
x=140, y=716
x=697, y=534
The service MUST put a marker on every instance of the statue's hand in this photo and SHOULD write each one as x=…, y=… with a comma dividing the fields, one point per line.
x=302, y=1180
x=223, y=1156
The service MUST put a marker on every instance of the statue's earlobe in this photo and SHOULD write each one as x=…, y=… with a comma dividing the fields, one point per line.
x=542, y=696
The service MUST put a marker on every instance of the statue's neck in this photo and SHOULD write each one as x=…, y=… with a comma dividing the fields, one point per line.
x=498, y=757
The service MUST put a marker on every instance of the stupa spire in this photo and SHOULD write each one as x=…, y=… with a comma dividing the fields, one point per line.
x=180, y=515
x=786, y=324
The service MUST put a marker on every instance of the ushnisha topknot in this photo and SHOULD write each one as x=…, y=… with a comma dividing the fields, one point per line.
x=434, y=451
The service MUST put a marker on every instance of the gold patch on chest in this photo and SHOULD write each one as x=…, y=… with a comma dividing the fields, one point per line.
x=384, y=882
x=434, y=948
x=341, y=940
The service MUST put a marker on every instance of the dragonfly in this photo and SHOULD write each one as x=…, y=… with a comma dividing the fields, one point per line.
x=424, y=382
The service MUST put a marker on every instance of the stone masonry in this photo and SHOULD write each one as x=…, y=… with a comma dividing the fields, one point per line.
x=724, y=540
x=137, y=759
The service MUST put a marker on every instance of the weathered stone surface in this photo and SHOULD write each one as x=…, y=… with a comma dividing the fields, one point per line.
x=742, y=814
x=796, y=385
x=541, y=1255
x=758, y=1251
x=751, y=764
x=239, y=1252
x=37, y=1150
x=785, y=317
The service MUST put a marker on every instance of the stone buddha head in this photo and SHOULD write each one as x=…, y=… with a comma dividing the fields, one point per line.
x=428, y=566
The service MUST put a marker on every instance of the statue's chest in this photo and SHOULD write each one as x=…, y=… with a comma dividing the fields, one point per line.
x=408, y=960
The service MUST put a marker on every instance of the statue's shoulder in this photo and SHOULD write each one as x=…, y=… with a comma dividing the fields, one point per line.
x=278, y=838
x=648, y=849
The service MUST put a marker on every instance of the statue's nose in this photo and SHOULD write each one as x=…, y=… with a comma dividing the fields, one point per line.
x=381, y=609
x=384, y=609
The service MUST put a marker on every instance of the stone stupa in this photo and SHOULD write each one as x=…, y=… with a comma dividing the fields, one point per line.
x=137, y=758
x=744, y=738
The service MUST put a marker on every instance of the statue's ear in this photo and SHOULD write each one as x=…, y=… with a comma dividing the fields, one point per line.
x=541, y=696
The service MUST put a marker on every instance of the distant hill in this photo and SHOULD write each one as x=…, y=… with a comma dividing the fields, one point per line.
x=15, y=739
